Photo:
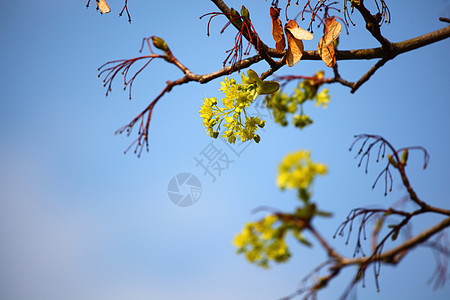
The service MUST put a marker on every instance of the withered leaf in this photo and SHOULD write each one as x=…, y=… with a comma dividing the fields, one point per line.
x=277, y=30
x=331, y=31
x=295, y=50
x=103, y=6
x=298, y=32
x=327, y=53
x=295, y=35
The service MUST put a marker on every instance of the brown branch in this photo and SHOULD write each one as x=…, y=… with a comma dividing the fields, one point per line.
x=395, y=49
x=245, y=63
x=392, y=256
x=313, y=289
x=421, y=41
x=364, y=153
x=264, y=53
x=278, y=65
x=143, y=134
x=378, y=255
x=373, y=25
x=385, y=53
x=441, y=250
x=398, y=48
x=369, y=74
x=125, y=8
x=374, y=53
x=338, y=78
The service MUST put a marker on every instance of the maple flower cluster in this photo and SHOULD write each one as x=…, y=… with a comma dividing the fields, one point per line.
x=263, y=241
x=233, y=115
x=298, y=171
x=283, y=104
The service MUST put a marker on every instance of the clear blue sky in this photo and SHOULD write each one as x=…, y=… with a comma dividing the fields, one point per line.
x=81, y=220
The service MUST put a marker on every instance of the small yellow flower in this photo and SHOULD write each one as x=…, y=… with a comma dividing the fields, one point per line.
x=323, y=98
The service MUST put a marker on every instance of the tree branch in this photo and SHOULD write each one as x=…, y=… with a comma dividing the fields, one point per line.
x=369, y=74
x=255, y=40
x=373, y=53
x=331, y=252
x=392, y=256
x=266, y=53
x=372, y=25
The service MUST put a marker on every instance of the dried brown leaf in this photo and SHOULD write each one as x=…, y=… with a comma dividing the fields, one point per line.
x=331, y=31
x=103, y=6
x=295, y=50
x=327, y=53
x=298, y=32
x=277, y=30
x=295, y=35
x=280, y=46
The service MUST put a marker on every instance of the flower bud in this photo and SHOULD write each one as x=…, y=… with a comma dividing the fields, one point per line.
x=245, y=13
x=160, y=43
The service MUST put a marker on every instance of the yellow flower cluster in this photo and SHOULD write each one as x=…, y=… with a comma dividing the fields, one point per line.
x=323, y=98
x=262, y=242
x=237, y=98
x=282, y=104
x=298, y=171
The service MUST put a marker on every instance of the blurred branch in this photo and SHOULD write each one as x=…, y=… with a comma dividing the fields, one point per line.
x=393, y=256
x=361, y=217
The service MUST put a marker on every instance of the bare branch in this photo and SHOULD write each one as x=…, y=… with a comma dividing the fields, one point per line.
x=373, y=23
x=393, y=256
x=143, y=132
x=125, y=8
x=331, y=252
x=369, y=74
x=255, y=40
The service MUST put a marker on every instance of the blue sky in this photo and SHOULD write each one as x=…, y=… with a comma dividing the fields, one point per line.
x=81, y=220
